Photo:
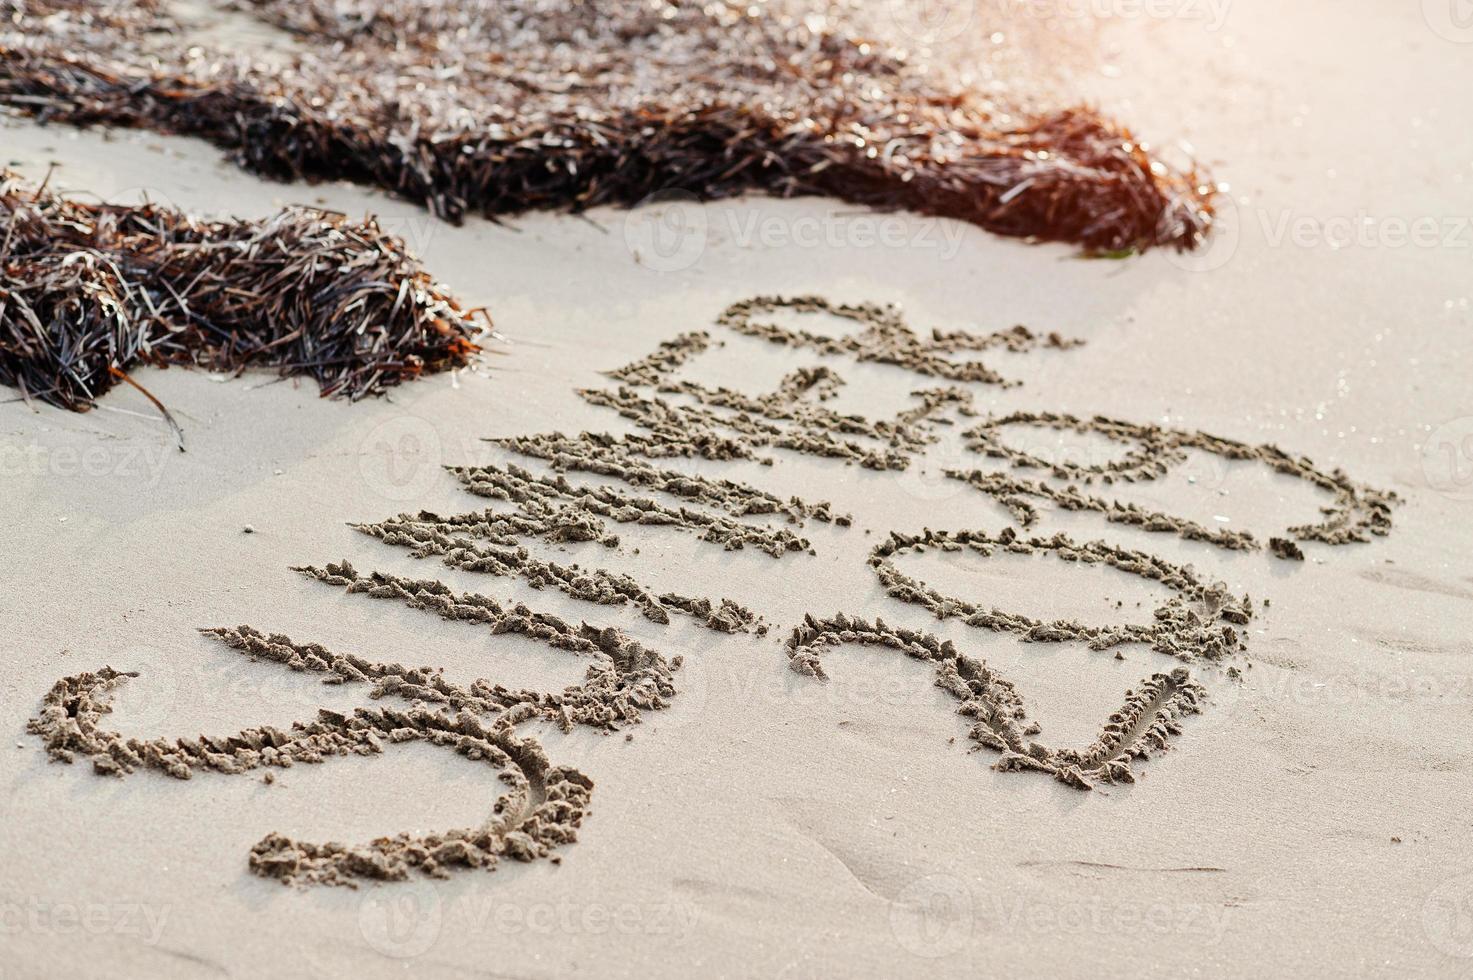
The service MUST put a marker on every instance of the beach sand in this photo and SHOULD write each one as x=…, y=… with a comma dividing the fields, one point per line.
x=1311, y=819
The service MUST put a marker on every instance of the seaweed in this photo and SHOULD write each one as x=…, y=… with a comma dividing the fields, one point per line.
x=89, y=290
x=502, y=106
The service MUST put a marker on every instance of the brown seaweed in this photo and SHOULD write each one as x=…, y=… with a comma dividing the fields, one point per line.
x=501, y=106
x=87, y=291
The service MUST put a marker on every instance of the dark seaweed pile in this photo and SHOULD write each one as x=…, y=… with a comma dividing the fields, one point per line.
x=87, y=291
x=499, y=106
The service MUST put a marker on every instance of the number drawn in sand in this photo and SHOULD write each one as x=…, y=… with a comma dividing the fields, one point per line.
x=602, y=489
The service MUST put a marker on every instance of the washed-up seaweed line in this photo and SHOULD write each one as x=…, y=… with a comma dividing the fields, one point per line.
x=542, y=809
x=1197, y=623
x=89, y=291
x=500, y=106
x=1356, y=513
x=1143, y=725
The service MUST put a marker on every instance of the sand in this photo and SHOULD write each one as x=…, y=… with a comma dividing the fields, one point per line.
x=908, y=801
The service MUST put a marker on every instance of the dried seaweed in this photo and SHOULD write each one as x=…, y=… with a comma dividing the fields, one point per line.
x=501, y=106
x=88, y=290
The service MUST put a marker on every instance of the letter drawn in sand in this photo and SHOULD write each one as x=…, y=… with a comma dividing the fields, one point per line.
x=602, y=491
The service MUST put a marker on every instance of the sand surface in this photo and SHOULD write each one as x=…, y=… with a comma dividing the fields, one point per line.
x=1311, y=820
